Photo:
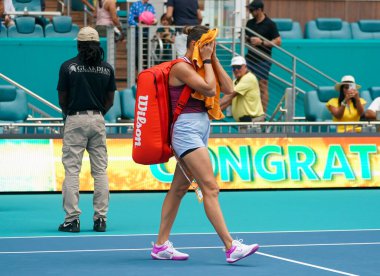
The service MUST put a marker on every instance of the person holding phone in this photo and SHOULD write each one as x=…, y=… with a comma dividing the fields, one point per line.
x=348, y=107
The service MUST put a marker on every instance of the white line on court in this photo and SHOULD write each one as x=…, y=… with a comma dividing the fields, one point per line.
x=305, y=264
x=194, y=248
x=185, y=234
x=182, y=248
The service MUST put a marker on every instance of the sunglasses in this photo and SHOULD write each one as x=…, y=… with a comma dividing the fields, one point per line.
x=236, y=67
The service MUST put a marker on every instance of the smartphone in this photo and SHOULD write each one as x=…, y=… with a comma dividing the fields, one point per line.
x=351, y=86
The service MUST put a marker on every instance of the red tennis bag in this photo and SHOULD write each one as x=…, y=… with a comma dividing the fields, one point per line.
x=153, y=115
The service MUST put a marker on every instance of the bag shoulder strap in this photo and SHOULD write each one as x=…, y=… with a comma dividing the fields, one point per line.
x=185, y=94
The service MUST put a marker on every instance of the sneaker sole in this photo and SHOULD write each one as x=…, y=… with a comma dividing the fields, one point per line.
x=254, y=249
x=156, y=257
x=99, y=230
x=68, y=231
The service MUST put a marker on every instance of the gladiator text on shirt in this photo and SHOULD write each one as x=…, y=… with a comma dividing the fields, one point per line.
x=88, y=69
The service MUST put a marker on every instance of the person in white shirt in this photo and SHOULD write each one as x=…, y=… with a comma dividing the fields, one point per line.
x=374, y=107
x=8, y=7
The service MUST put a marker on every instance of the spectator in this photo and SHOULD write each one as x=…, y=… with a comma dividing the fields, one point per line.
x=246, y=101
x=349, y=106
x=373, y=109
x=180, y=43
x=137, y=8
x=41, y=20
x=43, y=5
x=86, y=90
x=265, y=27
x=6, y=7
x=184, y=12
x=166, y=34
x=106, y=16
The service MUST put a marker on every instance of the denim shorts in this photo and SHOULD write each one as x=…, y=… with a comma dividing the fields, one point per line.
x=191, y=131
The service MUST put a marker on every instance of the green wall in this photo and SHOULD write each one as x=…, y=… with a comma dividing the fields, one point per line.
x=335, y=58
x=35, y=62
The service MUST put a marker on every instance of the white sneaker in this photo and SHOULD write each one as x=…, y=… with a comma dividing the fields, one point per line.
x=166, y=251
x=239, y=251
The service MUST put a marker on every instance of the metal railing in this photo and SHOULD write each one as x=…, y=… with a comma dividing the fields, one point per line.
x=292, y=82
x=32, y=94
x=34, y=13
x=54, y=126
x=290, y=76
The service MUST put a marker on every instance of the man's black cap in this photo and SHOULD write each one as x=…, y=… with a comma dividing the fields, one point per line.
x=256, y=4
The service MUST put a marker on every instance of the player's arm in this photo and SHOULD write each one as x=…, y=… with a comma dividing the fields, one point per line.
x=185, y=74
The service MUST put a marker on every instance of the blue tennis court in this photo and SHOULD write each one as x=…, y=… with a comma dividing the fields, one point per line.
x=319, y=232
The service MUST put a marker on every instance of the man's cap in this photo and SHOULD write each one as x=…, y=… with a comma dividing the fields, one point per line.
x=238, y=60
x=88, y=34
x=256, y=4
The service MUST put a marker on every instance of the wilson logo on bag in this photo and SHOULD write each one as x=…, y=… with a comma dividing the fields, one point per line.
x=153, y=115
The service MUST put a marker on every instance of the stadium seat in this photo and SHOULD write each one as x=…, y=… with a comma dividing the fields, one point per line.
x=288, y=28
x=134, y=90
x=30, y=5
x=114, y=114
x=370, y=94
x=366, y=29
x=61, y=26
x=315, y=103
x=3, y=31
x=333, y=28
x=25, y=27
x=127, y=104
x=13, y=105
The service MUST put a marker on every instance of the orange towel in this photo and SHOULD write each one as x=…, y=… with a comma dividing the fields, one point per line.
x=211, y=103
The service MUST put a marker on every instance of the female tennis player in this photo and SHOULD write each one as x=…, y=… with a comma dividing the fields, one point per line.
x=189, y=141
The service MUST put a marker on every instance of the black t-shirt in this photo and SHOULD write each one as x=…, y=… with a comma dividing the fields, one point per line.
x=184, y=12
x=268, y=29
x=87, y=86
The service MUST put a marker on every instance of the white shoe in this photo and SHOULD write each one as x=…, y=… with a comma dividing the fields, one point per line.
x=239, y=251
x=166, y=251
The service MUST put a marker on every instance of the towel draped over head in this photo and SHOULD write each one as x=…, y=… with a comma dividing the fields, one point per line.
x=211, y=103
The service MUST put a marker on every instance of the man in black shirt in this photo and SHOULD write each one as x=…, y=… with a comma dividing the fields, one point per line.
x=184, y=12
x=86, y=89
x=264, y=26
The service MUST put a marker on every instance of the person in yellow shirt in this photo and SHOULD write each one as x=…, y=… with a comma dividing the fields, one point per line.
x=349, y=106
x=246, y=99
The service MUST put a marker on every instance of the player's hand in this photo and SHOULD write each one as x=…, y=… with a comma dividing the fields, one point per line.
x=207, y=50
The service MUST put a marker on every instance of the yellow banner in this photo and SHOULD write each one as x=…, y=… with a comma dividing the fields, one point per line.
x=249, y=163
